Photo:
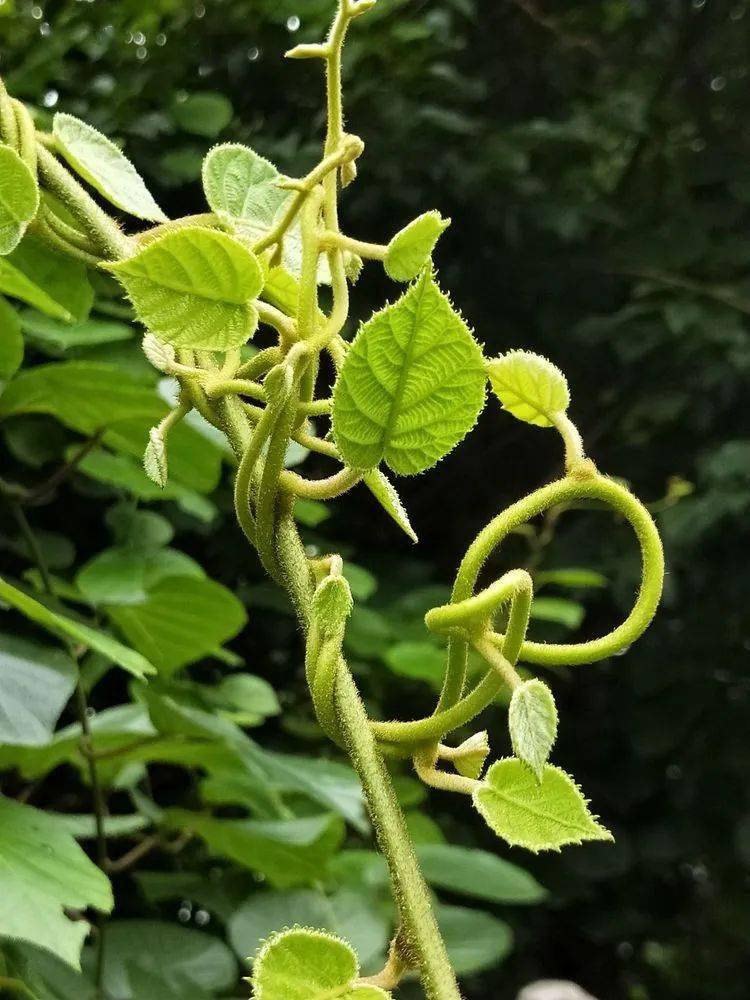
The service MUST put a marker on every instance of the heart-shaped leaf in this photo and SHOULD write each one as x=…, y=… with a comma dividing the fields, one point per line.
x=532, y=720
x=96, y=158
x=194, y=288
x=412, y=384
x=538, y=815
x=19, y=199
x=304, y=964
x=410, y=249
x=530, y=387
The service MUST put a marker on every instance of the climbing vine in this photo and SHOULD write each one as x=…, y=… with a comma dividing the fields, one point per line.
x=270, y=254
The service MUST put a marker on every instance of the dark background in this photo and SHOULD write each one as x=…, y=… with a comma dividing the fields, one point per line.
x=595, y=160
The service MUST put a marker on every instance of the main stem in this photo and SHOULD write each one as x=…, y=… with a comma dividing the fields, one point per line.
x=412, y=895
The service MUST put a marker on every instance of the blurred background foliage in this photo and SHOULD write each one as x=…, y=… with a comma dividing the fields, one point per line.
x=595, y=159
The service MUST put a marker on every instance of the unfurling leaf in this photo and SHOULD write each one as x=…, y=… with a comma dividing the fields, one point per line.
x=19, y=199
x=538, y=815
x=385, y=493
x=412, y=384
x=155, y=458
x=44, y=873
x=194, y=288
x=96, y=158
x=410, y=249
x=532, y=720
x=529, y=386
x=470, y=757
x=161, y=356
x=304, y=964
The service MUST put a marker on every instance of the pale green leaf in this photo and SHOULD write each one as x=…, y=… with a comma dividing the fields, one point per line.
x=529, y=386
x=205, y=113
x=50, y=282
x=155, y=458
x=193, y=288
x=538, y=815
x=96, y=158
x=416, y=660
x=35, y=684
x=385, y=493
x=60, y=625
x=241, y=183
x=411, y=248
x=471, y=872
x=532, y=721
x=349, y=912
x=574, y=577
x=124, y=575
x=287, y=852
x=43, y=871
x=56, y=337
x=306, y=964
x=475, y=940
x=189, y=960
x=11, y=341
x=412, y=385
x=182, y=620
x=19, y=199
x=559, y=610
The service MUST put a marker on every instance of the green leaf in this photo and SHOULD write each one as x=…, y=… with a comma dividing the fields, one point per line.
x=479, y=874
x=558, y=610
x=418, y=660
x=55, y=285
x=155, y=463
x=35, y=685
x=59, y=625
x=19, y=199
x=96, y=158
x=193, y=288
x=305, y=964
x=56, y=337
x=43, y=871
x=350, y=912
x=532, y=721
x=11, y=341
x=385, y=493
x=412, y=385
x=187, y=959
x=125, y=575
x=287, y=852
x=205, y=113
x=242, y=184
x=538, y=815
x=475, y=940
x=182, y=620
x=246, y=699
x=573, y=577
x=529, y=386
x=411, y=248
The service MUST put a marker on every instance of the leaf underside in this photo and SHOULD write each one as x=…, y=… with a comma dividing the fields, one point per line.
x=530, y=387
x=532, y=719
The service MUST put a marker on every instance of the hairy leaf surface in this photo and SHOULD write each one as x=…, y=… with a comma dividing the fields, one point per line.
x=532, y=720
x=412, y=384
x=194, y=288
x=410, y=249
x=529, y=386
x=42, y=870
x=305, y=964
x=538, y=815
x=19, y=199
x=96, y=158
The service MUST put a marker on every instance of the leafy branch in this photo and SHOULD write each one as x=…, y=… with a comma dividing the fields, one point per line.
x=408, y=389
